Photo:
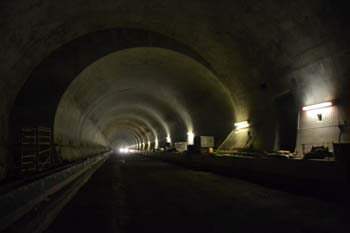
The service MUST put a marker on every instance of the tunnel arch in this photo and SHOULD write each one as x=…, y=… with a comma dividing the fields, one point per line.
x=123, y=133
x=138, y=130
x=64, y=64
x=130, y=129
x=148, y=84
x=52, y=77
x=150, y=129
x=152, y=125
x=149, y=108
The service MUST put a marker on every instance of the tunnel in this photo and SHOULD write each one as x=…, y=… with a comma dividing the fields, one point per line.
x=168, y=116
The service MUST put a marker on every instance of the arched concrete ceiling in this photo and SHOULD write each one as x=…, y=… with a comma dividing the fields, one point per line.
x=67, y=62
x=167, y=92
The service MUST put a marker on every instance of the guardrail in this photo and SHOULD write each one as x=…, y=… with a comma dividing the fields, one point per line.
x=17, y=203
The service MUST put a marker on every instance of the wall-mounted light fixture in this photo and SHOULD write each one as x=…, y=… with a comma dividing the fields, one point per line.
x=168, y=139
x=317, y=106
x=318, y=111
x=149, y=145
x=156, y=144
x=190, y=138
x=241, y=125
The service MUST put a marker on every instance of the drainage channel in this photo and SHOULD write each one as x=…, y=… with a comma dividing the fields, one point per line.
x=31, y=208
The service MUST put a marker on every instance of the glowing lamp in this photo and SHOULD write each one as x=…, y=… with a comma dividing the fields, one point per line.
x=241, y=125
x=190, y=138
x=317, y=106
x=156, y=144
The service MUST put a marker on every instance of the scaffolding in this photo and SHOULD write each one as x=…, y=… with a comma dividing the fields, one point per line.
x=36, y=149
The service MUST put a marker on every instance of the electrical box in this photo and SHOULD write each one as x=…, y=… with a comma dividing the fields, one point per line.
x=206, y=141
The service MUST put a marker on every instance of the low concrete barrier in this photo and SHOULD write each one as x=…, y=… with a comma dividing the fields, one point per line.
x=15, y=204
x=310, y=177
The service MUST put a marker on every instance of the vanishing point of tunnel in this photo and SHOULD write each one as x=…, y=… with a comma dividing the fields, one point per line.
x=175, y=116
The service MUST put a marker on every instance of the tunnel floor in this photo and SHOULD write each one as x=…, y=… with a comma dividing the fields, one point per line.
x=131, y=193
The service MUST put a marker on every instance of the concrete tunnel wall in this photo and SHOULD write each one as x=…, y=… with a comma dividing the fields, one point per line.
x=258, y=50
x=79, y=137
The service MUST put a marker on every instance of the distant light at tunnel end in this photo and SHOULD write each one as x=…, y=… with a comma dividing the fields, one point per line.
x=317, y=106
x=124, y=150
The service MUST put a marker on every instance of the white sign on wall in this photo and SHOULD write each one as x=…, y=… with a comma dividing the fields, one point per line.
x=181, y=146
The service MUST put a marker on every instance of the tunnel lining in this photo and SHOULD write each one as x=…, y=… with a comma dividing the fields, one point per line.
x=31, y=109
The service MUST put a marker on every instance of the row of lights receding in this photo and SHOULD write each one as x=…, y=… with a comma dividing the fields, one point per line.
x=239, y=126
x=190, y=141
